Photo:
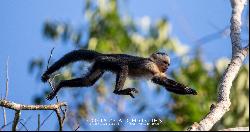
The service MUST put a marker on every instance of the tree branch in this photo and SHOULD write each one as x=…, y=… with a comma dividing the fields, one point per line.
x=19, y=107
x=6, y=90
x=15, y=106
x=38, y=122
x=236, y=129
x=238, y=56
x=59, y=119
x=16, y=119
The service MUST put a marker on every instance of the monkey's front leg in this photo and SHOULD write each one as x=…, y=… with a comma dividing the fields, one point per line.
x=120, y=80
x=127, y=91
x=173, y=86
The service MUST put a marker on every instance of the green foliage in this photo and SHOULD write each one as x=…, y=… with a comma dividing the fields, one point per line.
x=106, y=31
x=205, y=79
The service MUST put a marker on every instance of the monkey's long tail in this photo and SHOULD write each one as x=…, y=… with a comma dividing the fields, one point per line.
x=70, y=57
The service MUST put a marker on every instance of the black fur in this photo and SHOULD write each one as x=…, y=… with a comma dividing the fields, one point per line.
x=173, y=86
x=73, y=56
x=123, y=65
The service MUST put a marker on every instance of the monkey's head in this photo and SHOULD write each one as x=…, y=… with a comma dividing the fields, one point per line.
x=161, y=59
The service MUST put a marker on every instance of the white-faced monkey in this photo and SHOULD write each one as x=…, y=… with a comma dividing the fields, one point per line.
x=123, y=65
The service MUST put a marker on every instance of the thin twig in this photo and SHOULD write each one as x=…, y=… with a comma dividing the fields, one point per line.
x=7, y=79
x=2, y=127
x=38, y=122
x=77, y=127
x=16, y=120
x=19, y=107
x=51, y=85
x=4, y=116
x=50, y=57
x=24, y=126
x=25, y=122
x=6, y=89
x=213, y=36
x=46, y=119
x=50, y=82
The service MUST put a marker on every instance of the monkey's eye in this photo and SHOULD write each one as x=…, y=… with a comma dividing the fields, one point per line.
x=165, y=62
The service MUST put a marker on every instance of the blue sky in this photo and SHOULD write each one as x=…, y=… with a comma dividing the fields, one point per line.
x=22, y=21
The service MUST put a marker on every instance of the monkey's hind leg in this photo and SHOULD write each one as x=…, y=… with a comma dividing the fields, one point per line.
x=75, y=55
x=120, y=80
x=86, y=81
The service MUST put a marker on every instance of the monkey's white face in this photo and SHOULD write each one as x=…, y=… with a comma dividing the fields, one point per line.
x=162, y=60
x=161, y=57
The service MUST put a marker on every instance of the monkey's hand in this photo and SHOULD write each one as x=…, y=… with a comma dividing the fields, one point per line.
x=190, y=91
x=127, y=91
x=45, y=77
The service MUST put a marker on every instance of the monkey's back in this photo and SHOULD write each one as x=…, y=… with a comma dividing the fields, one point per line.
x=124, y=57
x=137, y=66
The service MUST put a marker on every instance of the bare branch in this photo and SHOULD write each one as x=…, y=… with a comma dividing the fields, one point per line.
x=7, y=79
x=238, y=56
x=64, y=112
x=38, y=122
x=15, y=106
x=16, y=120
x=237, y=8
x=59, y=119
x=19, y=107
x=6, y=90
x=4, y=116
x=236, y=129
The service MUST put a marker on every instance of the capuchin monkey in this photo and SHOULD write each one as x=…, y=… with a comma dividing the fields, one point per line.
x=123, y=65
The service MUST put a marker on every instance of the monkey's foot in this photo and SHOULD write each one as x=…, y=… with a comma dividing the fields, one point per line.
x=190, y=91
x=127, y=91
x=130, y=90
x=45, y=77
x=51, y=95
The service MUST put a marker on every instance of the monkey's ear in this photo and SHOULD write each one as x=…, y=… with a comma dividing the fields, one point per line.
x=154, y=55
